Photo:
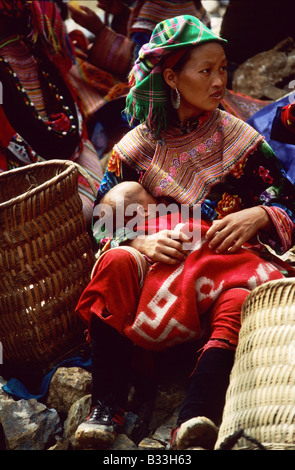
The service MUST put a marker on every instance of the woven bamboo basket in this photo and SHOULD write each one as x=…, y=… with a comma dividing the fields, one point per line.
x=46, y=259
x=260, y=400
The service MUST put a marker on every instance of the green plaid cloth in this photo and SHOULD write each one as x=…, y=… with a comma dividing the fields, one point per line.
x=147, y=100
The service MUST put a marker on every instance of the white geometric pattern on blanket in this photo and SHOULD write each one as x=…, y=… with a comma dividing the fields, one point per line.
x=262, y=275
x=205, y=281
x=159, y=305
x=164, y=299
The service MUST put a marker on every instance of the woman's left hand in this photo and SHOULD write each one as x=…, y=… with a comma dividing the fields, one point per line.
x=229, y=233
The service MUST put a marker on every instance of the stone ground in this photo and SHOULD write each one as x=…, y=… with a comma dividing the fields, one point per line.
x=51, y=421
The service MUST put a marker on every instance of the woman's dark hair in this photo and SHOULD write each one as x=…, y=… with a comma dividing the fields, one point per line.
x=183, y=60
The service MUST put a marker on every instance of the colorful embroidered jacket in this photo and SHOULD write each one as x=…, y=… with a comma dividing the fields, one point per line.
x=220, y=162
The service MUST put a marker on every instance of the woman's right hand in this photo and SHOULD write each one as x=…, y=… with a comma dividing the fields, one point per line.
x=165, y=246
x=86, y=18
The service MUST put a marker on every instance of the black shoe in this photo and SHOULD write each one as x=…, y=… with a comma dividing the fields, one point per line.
x=100, y=428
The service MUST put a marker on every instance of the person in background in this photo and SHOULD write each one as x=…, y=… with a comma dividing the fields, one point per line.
x=41, y=117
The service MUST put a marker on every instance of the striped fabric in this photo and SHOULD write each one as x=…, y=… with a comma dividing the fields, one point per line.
x=46, y=27
x=112, y=52
x=88, y=160
x=101, y=71
x=218, y=144
x=283, y=225
x=242, y=106
x=154, y=11
x=26, y=68
x=92, y=85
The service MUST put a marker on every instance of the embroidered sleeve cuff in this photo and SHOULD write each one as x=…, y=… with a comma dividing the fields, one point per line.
x=121, y=236
x=284, y=228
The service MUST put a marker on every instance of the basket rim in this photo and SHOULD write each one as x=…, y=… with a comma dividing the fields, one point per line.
x=267, y=287
x=273, y=282
x=68, y=164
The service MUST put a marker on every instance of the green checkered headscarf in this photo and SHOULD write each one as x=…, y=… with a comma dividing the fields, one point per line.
x=147, y=100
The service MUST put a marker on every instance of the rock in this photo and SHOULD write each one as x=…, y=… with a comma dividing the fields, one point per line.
x=122, y=442
x=163, y=433
x=77, y=414
x=134, y=427
x=168, y=399
x=149, y=443
x=4, y=397
x=68, y=385
x=61, y=444
x=29, y=425
x=267, y=75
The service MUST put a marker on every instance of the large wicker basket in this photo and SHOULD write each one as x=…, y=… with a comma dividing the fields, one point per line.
x=260, y=400
x=46, y=259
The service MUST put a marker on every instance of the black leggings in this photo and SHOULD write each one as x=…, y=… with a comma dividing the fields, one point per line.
x=207, y=389
x=111, y=373
x=111, y=362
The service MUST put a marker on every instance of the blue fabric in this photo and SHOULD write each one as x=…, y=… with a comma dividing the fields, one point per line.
x=262, y=122
x=139, y=40
x=17, y=389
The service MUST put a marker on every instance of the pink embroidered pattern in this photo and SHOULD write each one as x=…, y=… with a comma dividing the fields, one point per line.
x=179, y=159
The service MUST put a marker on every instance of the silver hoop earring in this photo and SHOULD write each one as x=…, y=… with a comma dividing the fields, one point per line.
x=175, y=102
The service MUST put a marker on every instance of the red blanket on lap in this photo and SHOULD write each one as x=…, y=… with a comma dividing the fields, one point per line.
x=174, y=298
x=168, y=308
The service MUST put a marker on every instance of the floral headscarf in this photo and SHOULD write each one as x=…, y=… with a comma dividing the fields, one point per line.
x=147, y=100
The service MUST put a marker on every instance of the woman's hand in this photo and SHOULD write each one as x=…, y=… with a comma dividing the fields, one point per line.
x=165, y=246
x=86, y=18
x=229, y=233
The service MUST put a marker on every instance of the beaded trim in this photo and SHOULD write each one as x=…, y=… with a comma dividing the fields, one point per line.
x=54, y=90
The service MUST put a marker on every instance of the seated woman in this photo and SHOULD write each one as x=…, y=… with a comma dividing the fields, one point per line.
x=40, y=115
x=186, y=150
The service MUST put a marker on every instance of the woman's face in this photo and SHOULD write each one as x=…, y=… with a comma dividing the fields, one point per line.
x=201, y=81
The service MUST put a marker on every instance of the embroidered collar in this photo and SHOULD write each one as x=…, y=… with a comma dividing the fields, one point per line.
x=188, y=126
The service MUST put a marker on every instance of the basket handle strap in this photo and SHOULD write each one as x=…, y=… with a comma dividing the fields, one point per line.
x=86, y=175
x=231, y=440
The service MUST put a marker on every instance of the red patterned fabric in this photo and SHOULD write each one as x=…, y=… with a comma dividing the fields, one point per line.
x=174, y=298
x=288, y=117
x=46, y=26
